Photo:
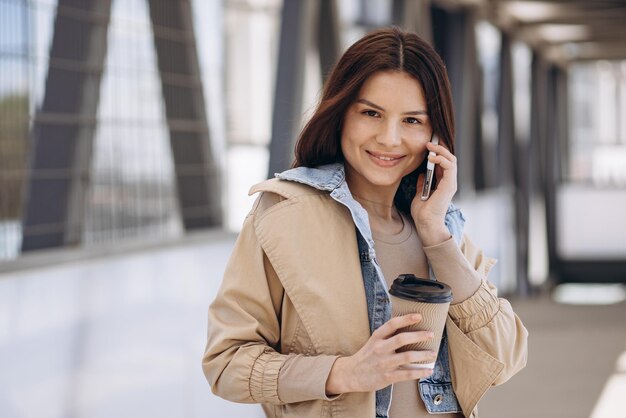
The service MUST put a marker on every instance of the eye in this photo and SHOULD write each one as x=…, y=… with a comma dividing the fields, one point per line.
x=413, y=121
x=371, y=113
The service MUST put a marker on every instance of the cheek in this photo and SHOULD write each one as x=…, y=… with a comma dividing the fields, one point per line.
x=343, y=146
x=345, y=137
x=347, y=147
x=418, y=146
x=353, y=135
x=418, y=150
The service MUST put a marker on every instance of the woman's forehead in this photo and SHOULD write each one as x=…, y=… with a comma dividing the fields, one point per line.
x=393, y=88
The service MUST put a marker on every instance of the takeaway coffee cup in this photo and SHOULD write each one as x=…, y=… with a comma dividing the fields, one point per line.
x=429, y=298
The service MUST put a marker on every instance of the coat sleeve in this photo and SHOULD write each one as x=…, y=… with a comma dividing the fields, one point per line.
x=484, y=318
x=242, y=362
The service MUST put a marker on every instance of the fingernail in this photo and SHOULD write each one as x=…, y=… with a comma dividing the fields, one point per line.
x=416, y=317
x=431, y=334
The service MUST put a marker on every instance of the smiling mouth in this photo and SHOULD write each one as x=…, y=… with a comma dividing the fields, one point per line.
x=385, y=160
x=383, y=157
x=380, y=157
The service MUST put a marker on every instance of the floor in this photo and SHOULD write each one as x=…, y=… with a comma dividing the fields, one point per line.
x=572, y=370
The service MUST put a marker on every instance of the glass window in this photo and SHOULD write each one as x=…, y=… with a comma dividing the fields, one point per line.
x=597, y=92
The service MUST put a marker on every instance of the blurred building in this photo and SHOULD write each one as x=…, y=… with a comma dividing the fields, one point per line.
x=143, y=123
x=131, y=119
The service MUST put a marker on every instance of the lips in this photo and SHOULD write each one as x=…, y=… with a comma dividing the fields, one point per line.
x=385, y=159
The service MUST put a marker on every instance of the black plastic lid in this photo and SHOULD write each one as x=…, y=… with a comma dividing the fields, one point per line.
x=409, y=287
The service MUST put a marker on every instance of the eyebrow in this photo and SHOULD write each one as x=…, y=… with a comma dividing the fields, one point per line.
x=375, y=106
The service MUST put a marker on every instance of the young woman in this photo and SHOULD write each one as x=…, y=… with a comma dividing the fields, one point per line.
x=302, y=322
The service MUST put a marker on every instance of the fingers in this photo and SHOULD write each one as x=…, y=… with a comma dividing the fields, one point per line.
x=441, y=150
x=443, y=159
x=377, y=364
x=390, y=327
x=412, y=356
x=401, y=375
x=408, y=337
x=442, y=162
x=445, y=166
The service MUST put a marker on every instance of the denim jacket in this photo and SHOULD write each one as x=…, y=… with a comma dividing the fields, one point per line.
x=332, y=178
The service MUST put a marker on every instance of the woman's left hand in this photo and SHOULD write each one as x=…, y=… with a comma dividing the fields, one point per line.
x=429, y=215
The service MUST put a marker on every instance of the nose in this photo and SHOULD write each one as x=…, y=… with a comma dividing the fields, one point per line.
x=390, y=135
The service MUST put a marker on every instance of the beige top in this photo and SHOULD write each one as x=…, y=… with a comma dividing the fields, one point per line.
x=399, y=254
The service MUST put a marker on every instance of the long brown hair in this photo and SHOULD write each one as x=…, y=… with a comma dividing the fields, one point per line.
x=389, y=49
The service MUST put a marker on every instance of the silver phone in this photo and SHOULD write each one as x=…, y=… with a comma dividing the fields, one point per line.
x=430, y=172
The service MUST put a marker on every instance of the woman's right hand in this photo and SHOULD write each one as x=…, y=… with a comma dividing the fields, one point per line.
x=377, y=365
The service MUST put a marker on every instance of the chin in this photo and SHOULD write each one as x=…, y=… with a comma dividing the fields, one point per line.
x=383, y=181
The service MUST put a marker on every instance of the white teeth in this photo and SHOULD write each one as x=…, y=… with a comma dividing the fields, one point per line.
x=385, y=158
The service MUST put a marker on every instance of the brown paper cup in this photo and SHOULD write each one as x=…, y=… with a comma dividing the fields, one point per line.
x=429, y=298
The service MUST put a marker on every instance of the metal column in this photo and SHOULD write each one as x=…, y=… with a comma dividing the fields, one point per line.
x=557, y=107
x=539, y=125
x=415, y=16
x=454, y=39
x=537, y=159
x=481, y=164
x=64, y=126
x=197, y=174
x=512, y=163
x=297, y=25
x=506, y=124
x=328, y=36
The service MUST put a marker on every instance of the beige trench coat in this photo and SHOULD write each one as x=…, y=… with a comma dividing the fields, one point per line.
x=292, y=296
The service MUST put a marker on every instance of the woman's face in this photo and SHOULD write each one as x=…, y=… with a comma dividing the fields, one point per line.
x=385, y=131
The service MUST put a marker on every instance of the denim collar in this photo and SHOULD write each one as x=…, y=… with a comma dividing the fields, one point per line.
x=325, y=177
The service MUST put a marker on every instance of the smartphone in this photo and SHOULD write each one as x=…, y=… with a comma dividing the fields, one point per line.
x=430, y=171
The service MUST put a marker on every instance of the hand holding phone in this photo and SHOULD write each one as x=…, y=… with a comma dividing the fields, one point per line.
x=430, y=172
